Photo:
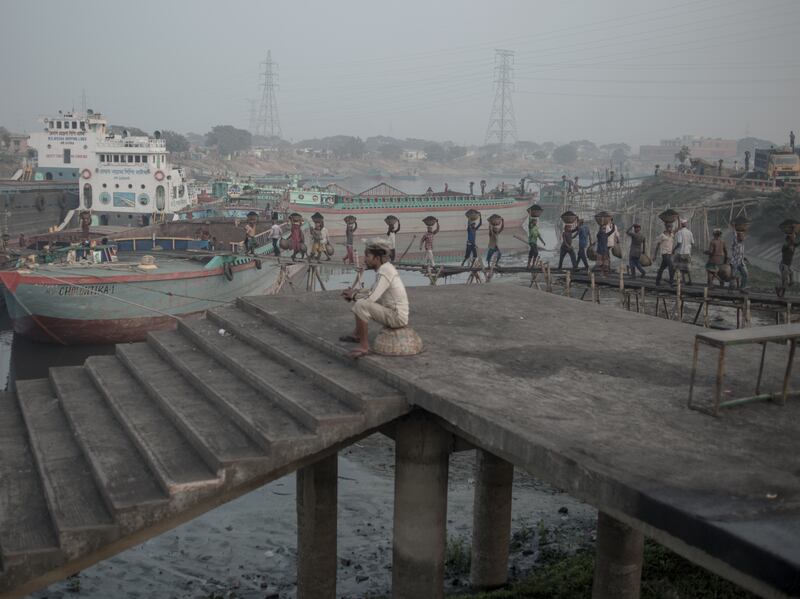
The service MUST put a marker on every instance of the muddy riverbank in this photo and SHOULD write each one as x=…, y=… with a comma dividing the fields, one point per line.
x=247, y=548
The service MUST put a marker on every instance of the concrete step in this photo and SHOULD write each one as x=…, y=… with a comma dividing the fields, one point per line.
x=310, y=404
x=75, y=503
x=254, y=307
x=169, y=455
x=266, y=422
x=27, y=532
x=215, y=437
x=352, y=386
x=123, y=476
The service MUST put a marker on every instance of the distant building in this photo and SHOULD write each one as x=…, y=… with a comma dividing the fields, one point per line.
x=17, y=144
x=707, y=148
x=415, y=155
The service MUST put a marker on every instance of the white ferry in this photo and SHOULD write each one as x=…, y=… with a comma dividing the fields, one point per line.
x=122, y=179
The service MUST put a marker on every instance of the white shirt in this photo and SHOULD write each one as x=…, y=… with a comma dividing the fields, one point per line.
x=665, y=243
x=275, y=231
x=685, y=238
x=389, y=290
x=614, y=237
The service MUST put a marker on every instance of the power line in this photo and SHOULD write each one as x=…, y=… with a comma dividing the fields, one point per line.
x=502, y=124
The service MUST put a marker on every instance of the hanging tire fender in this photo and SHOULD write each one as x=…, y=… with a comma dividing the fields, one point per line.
x=258, y=264
x=227, y=270
x=40, y=203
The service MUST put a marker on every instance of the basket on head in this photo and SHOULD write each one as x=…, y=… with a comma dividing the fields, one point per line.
x=535, y=211
x=602, y=218
x=669, y=216
x=741, y=224
x=430, y=221
x=569, y=217
x=296, y=217
x=789, y=226
x=391, y=219
x=472, y=214
x=317, y=217
x=349, y=218
x=495, y=219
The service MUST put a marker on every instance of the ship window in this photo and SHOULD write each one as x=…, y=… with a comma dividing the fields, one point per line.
x=74, y=124
x=142, y=185
x=102, y=158
x=104, y=186
x=130, y=157
x=160, y=197
x=87, y=195
x=116, y=185
x=52, y=125
x=67, y=156
x=48, y=176
x=130, y=186
x=137, y=158
x=83, y=126
x=58, y=124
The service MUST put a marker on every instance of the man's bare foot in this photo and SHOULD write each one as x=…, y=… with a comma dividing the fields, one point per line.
x=349, y=339
x=359, y=352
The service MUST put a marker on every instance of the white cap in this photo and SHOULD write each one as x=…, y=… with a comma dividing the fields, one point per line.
x=378, y=243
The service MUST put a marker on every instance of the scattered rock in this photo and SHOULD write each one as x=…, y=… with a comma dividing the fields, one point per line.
x=563, y=510
x=345, y=562
x=361, y=578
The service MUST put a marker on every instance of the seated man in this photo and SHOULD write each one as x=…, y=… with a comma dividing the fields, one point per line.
x=386, y=302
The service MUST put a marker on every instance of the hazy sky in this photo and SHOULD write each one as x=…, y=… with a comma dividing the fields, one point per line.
x=620, y=70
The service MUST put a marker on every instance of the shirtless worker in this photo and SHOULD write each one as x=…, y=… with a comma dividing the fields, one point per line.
x=385, y=303
x=494, y=242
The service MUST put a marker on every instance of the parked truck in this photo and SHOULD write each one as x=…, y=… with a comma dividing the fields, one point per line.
x=780, y=164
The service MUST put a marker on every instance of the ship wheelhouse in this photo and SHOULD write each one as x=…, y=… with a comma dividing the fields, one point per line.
x=133, y=178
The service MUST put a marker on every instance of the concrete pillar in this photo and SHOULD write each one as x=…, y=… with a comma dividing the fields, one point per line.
x=420, y=508
x=316, y=529
x=618, y=564
x=491, y=521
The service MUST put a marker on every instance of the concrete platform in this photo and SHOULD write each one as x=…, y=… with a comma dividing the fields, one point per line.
x=100, y=457
x=593, y=400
